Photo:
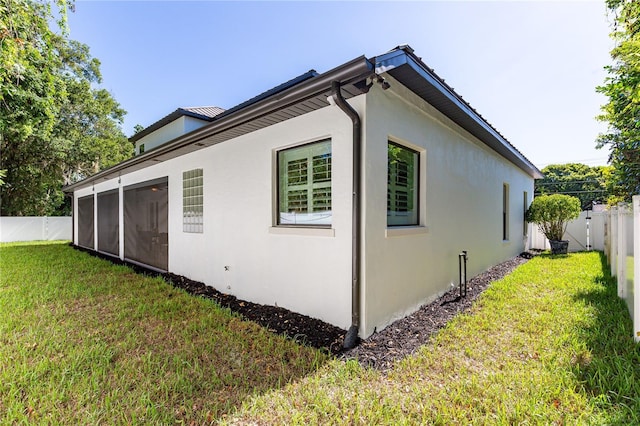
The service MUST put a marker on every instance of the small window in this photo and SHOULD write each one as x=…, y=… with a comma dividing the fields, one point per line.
x=505, y=211
x=304, y=185
x=141, y=148
x=402, y=186
x=192, y=201
x=525, y=206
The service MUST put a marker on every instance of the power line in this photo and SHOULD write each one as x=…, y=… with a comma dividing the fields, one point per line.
x=562, y=182
x=570, y=192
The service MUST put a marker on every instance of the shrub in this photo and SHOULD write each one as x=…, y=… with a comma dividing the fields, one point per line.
x=552, y=213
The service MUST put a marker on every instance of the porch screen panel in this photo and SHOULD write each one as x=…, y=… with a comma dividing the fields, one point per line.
x=146, y=230
x=85, y=222
x=108, y=222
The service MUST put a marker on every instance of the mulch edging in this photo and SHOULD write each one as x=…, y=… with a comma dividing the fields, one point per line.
x=380, y=351
x=403, y=337
x=301, y=328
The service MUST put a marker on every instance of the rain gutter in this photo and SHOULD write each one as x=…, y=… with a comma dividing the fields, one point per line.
x=308, y=89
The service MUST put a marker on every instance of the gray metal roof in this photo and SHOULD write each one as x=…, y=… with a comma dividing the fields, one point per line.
x=309, y=92
x=296, y=98
x=206, y=113
x=403, y=65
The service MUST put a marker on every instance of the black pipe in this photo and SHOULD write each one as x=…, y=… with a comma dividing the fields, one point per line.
x=462, y=261
x=351, y=339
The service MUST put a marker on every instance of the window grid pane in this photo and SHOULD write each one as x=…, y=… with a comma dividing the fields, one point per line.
x=297, y=172
x=322, y=199
x=298, y=201
x=192, y=201
x=322, y=168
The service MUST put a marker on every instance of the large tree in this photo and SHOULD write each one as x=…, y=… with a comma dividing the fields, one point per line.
x=622, y=87
x=56, y=126
x=588, y=184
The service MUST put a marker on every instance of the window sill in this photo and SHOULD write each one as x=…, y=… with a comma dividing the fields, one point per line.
x=312, y=232
x=401, y=231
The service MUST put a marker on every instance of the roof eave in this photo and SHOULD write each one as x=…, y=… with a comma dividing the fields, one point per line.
x=345, y=73
x=403, y=58
x=166, y=120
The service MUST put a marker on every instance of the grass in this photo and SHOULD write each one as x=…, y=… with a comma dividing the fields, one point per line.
x=83, y=341
x=550, y=343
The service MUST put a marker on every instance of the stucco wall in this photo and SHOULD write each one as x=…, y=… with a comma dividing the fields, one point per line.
x=305, y=270
x=170, y=131
x=461, y=207
x=309, y=270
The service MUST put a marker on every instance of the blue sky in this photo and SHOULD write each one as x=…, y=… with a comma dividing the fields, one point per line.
x=530, y=68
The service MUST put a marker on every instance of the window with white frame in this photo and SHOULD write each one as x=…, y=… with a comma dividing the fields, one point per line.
x=304, y=185
x=192, y=201
x=402, y=185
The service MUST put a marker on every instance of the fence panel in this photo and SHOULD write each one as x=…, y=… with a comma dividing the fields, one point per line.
x=622, y=240
x=34, y=228
x=582, y=233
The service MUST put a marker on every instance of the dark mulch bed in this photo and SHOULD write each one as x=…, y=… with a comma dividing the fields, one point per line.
x=380, y=350
x=304, y=329
x=403, y=337
x=309, y=331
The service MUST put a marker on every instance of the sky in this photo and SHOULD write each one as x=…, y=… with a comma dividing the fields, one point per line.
x=529, y=68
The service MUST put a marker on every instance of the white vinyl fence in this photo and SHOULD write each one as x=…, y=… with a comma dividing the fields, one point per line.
x=34, y=228
x=622, y=247
x=584, y=233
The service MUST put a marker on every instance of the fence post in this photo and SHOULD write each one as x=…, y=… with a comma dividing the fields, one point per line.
x=613, y=248
x=622, y=253
x=607, y=234
x=636, y=267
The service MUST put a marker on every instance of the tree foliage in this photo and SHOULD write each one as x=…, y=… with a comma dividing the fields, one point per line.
x=588, y=184
x=622, y=87
x=56, y=126
x=552, y=213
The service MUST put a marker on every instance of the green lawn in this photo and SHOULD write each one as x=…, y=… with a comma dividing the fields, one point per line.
x=83, y=341
x=550, y=343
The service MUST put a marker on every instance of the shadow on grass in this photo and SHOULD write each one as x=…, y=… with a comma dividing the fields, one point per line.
x=612, y=374
x=548, y=255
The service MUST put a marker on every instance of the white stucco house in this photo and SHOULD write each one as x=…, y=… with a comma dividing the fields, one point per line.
x=345, y=196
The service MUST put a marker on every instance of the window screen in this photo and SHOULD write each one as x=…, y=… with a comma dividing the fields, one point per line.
x=402, y=185
x=108, y=222
x=304, y=185
x=85, y=222
x=146, y=216
x=192, y=201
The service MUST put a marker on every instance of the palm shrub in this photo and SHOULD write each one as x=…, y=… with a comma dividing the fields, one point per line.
x=552, y=213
